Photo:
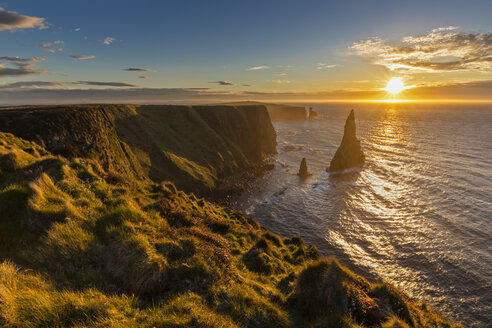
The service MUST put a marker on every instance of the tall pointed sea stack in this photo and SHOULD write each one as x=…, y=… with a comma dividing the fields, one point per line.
x=349, y=153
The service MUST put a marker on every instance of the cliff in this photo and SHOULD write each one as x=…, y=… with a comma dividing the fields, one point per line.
x=349, y=154
x=278, y=112
x=81, y=249
x=197, y=147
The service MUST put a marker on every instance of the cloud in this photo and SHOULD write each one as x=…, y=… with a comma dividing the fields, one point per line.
x=282, y=74
x=440, y=50
x=30, y=84
x=464, y=90
x=107, y=84
x=325, y=66
x=449, y=28
x=38, y=95
x=114, y=95
x=22, y=66
x=18, y=60
x=281, y=81
x=222, y=82
x=82, y=57
x=77, y=29
x=44, y=84
x=136, y=69
x=143, y=77
x=10, y=20
x=257, y=68
x=53, y=47
x=108, y=40
x=246, y=85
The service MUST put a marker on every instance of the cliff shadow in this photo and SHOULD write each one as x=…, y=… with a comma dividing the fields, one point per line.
x=196, y=147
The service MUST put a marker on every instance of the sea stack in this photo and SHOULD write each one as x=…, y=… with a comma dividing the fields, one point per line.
x=349, y=153
x=303, y=171
x=312, y=114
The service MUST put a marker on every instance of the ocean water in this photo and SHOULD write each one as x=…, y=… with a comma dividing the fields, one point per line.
x=419, y=213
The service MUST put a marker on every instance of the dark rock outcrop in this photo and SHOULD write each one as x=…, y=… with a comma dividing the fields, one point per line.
x=312, y=114
x=199, y=148
x=349, y=154
x=303, y=171
x=289, y=148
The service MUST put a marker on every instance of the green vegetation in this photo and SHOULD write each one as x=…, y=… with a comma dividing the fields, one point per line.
x=199, y=148
x=83, y=247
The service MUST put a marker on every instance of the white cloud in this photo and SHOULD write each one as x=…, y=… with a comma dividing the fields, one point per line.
x=281, y=81
x=108, y=40
x=53, y=47
x=449, y=28
x=257, y=68
x=438, y=51
x=10, y=20
x=77, y=29
x=325, y=66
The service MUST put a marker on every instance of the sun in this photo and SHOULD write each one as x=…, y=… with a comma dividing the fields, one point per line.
x=395, y=86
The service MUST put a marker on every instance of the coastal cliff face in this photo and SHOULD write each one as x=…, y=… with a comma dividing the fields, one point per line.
x=196, y=147
x=349, y=154
x=80, y=249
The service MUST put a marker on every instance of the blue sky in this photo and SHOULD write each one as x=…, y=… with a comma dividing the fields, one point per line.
x=306, y=48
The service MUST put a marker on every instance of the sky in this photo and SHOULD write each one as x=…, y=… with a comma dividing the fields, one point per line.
x=152, y=51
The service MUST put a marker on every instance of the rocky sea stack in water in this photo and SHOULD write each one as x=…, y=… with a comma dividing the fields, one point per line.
x=349, y=153
x=303, y=171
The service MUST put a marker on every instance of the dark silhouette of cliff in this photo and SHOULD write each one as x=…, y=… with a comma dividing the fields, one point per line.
x=349, y=154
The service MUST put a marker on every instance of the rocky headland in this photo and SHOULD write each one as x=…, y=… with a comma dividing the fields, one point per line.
x=89, y=238
x=202, y=149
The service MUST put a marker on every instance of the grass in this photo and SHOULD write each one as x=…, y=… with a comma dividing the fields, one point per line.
x=80, y=247
x=196, y=147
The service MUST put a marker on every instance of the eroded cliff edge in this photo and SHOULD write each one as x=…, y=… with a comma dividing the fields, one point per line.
x=79, y=249
x=199, y=148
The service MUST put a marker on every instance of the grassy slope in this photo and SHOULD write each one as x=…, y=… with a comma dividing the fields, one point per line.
x=194, y=146
x=83, y=248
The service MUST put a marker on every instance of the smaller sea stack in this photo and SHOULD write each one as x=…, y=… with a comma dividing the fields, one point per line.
x=312, y=114
x=349, y=153
x=303, y=171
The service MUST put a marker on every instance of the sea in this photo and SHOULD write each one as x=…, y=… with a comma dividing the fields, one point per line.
x=418, y=214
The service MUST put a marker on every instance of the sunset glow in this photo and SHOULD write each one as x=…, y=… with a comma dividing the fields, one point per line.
x=64, y=59
x=395, y=86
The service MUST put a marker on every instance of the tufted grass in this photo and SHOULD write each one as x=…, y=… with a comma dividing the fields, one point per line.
x=81, y=248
